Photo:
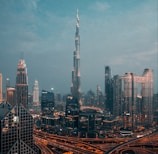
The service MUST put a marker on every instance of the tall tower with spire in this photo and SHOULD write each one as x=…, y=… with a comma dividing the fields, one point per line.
x=75, y=88
x=22, y=84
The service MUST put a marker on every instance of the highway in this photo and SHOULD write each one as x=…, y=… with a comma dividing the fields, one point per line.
x=144, y=145
x=67, y=144
x=42, y=146
x=62, y=144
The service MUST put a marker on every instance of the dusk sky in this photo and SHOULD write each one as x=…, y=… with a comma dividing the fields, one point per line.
x=120, y=33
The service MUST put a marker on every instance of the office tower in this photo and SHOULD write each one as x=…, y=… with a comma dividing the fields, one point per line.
x=22, y=84
x=10, y=95
x=108, y=90
x=75, y=88
x=87, y=123
x=131, y=83
x=7, y=82
x=72, y=111
x=117, y=96
x=99, y=97
x=72, y=106
x=147, y=97
x=1, y=98
x=130, y=97
x=35, y=93
x=16, y=131
x=47, y=103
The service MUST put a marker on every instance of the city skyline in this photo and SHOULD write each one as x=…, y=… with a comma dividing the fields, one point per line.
x=121, y=34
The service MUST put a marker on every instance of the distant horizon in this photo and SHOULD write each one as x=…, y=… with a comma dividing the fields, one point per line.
x=120, y=34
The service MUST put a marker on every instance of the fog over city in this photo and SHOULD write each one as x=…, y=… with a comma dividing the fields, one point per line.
x=119, y=33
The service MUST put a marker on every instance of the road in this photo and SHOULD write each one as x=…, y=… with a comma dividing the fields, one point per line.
x=60, y=144
x=67, y=143
x=42, y=145
x=145, y=145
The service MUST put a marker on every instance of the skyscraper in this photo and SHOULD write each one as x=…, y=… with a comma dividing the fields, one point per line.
x=147, y=97
x=99, y=97
x=10, y=95
x=108, y=90
x=1, y=88
x=7, y=82
x=130, y=95
x=75, y=88
x=117, y=95
x=130, y=85
x=35, y=92
x=22, y=84
x=16, y=131
x=47, y=103
x=72, y=111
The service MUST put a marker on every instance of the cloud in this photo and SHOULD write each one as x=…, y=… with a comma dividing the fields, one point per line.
x=99, y=6
x=122, y=38
x=134, y=62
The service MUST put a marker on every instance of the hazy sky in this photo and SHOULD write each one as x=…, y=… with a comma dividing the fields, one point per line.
x=120, y=33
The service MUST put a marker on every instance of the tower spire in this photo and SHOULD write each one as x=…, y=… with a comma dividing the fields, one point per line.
x=75, y=88
x=77, y=19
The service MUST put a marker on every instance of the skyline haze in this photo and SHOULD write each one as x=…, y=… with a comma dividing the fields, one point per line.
x=121, y=34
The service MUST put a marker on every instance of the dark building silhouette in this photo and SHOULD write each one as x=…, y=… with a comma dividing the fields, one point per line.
x=72, y=111
x=108, y=90
x=117, y=96
x=47, y=103
x=87, y=123
x=16, y=130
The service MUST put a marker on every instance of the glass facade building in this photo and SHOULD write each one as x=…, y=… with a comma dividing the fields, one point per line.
x=108, y=90
x=22, y=84
x=72, y=111
x=47, y=103
x=131, y=85
x=16, y=130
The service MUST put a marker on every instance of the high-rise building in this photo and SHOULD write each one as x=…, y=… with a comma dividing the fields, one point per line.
x=117, y=96
x=35, y=92
x=72, y=106
x=16, y=131
x=10, y=95
x=75, y=88
x=72, y=111
x=7, y=82
x=22, y=84
x=99, y=97
x=1, y=96
x=108, y=90
x=47, y=103
x=147, y=97
x=130, y=98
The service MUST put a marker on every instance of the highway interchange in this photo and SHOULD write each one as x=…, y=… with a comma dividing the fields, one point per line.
x=55, y=144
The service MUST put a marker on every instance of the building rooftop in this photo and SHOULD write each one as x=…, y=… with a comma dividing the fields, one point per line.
x=4, y=109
